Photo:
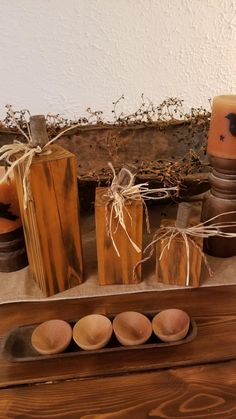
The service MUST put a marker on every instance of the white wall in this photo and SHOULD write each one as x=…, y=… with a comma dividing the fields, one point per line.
x=65, y=55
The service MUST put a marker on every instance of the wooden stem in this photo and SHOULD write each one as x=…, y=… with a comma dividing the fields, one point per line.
x=183, y=214
x=123, y=178
x=38, y=130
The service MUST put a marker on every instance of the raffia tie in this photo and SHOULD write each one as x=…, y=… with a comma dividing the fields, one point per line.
x=26, y=152
x=203, y=230
x=118, y=195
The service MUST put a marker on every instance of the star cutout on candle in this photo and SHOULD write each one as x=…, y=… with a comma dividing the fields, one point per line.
x=222, y=137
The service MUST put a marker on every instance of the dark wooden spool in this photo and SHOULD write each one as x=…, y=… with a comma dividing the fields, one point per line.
x=12, y=251
x=220, y=199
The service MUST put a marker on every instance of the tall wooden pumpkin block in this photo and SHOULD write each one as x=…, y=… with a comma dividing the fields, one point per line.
x=172, y=261
x=113, y=269
x=51, y=220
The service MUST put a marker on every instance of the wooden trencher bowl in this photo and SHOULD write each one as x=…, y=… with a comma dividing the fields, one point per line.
x=12, y=245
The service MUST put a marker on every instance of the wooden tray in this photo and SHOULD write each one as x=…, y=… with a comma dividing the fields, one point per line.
x=17, y=344
x=212, y=308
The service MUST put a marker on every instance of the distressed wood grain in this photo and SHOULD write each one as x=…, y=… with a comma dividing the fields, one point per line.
x=195, y=392
x=114, y=269
x=172, y=267
x=51, y=221
x=96, y=145
x=213, y=308
x=138, y=145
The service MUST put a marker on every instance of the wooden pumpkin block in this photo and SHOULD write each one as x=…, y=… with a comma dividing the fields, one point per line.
x=172, y=267
x=51, y=220
x=113, y=269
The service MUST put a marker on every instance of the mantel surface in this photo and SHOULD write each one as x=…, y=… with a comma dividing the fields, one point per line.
x=204, y=388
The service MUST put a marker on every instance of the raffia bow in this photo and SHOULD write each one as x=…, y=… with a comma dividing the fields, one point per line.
x=19, y=152
x=203, y=230
x=119, y=193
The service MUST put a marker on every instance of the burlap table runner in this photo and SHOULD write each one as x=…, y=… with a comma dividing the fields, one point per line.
x=19, y=286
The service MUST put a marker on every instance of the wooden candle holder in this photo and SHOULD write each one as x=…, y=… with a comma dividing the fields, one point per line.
x=51, y=219
x=12, y=244
x=172, y=267
x=12, y=251
x=113, y=269
x=222, y=156
x=220, y=199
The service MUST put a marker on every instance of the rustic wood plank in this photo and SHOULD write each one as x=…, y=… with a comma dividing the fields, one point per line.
x=212, y=307
x=96, y=145
x=122, y=145
x=114, y=269
x=196, y=392
x=199, y=351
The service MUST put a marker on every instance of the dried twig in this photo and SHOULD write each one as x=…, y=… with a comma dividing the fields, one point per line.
x=170, y=112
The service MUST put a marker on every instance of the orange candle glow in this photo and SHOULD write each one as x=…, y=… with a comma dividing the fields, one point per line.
x=222, y=132
x=9, y=207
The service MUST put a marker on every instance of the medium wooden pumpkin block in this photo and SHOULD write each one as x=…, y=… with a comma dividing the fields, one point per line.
x=51, y=220
x=172, y=267
x=113, y=269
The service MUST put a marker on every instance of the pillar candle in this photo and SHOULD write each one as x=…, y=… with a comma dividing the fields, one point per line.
x=9, y=207
x=221, y=198
x=222, y=132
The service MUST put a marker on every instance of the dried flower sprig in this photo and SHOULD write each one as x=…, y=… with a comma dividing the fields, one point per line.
x=169, y=110
x=169, y=172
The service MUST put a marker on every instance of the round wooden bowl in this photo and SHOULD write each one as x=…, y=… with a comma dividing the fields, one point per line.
x=92, y=332
x=132, y=328
x=51, y=337
x=171, y=325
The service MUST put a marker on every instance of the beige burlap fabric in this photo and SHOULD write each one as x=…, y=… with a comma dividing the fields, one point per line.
x=19, y=286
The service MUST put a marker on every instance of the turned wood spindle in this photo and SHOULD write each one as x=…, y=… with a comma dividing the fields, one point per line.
x=222, y=156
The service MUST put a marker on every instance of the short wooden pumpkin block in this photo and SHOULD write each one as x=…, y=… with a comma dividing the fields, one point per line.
x=113, y=269
x=172, y=267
